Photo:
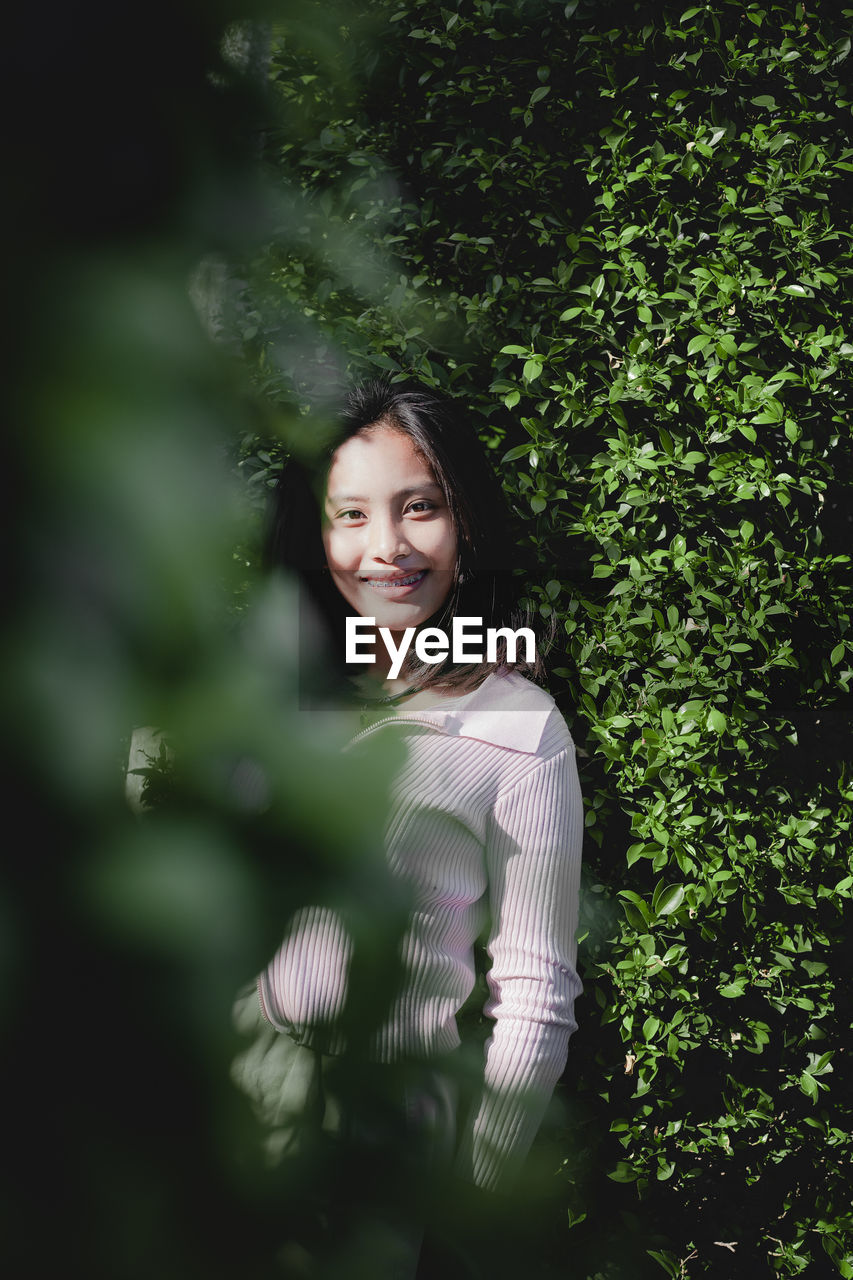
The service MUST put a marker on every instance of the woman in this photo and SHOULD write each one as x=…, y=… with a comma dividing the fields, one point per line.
x=485, y=824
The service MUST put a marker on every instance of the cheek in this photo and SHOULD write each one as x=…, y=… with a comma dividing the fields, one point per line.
x=336, y=549
x=439, y=542
x=449, y=548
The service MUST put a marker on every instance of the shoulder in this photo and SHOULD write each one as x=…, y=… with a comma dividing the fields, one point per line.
x=511, y=711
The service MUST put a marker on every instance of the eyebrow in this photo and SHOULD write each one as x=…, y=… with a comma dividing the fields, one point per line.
x=340, y=499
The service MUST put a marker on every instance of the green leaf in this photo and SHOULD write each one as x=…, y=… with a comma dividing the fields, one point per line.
x=841, y=49
x=807, y=157
x=668, y=900
x=668, y=1261
x=518, y=451
x=809, y=1086
x=717, y=720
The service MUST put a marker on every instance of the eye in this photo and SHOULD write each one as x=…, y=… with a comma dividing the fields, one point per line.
x=421, y=505
x=349, y=517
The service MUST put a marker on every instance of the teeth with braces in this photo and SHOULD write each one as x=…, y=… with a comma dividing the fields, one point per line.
x=382, y=583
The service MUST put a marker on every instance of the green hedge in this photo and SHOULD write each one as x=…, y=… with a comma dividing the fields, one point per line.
x=620, y=235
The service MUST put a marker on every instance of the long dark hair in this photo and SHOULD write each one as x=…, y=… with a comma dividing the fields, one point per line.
x=484, y=584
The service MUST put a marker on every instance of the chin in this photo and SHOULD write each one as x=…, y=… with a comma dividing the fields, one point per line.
x=396, y=619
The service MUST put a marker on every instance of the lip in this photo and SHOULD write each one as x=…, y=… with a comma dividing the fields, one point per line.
x=395, y=586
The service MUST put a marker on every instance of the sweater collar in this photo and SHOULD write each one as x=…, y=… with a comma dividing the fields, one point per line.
x=506, y=710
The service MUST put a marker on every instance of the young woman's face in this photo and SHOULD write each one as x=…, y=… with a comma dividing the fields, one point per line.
x=387, y=530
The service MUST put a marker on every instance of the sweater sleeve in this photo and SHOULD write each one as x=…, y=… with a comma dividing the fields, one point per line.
x=533, y=855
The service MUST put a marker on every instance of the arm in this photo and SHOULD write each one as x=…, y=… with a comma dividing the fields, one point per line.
x=533, y=862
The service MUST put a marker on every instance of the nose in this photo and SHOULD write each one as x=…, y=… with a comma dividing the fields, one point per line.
x=387, y=541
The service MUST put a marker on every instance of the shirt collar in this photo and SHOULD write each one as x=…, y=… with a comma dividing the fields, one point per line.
x=506, y=710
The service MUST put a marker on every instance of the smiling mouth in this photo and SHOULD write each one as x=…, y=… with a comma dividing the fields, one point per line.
x=393, y=584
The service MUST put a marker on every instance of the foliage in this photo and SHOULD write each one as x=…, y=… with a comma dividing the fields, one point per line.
x=128, y=1153
x=619, y=234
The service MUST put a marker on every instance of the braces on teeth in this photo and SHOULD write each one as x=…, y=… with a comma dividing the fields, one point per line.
x=395, y=582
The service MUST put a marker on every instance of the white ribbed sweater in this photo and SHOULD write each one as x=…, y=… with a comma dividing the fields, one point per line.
x=486, y=823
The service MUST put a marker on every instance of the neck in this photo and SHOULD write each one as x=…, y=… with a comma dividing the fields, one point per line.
x=388, y=659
